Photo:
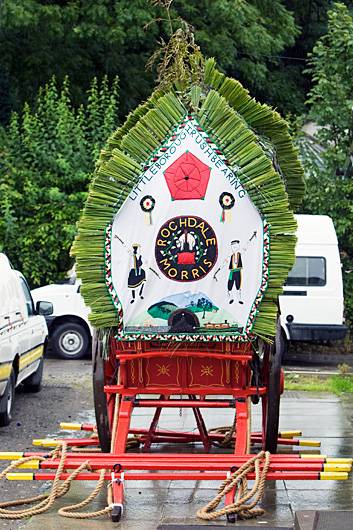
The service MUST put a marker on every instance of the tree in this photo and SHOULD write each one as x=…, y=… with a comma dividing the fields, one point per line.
x=107, y=37
x=46, y=163
x=245, y=37
x=330, y=187
x=289, y=82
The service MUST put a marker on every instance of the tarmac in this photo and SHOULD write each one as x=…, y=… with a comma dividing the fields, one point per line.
x=148, y=504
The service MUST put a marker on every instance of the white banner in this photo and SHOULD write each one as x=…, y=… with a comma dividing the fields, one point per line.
x=187, y=245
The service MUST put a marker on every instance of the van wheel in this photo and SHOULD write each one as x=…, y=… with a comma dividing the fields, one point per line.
x=7, y=400
x=33, y=383
x=70, y=341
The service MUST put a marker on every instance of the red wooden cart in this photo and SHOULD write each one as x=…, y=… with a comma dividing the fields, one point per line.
x=183, y=248
x=188, y=375
x=232, y=376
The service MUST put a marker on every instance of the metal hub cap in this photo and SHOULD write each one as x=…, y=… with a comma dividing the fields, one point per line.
x=71, y=342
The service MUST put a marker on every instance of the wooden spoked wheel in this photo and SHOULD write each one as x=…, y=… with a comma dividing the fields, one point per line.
x=104, y=373
x=272, y=375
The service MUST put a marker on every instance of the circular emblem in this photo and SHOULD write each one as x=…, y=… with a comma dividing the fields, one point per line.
x=226, y=200
x=147, y=203
x=186, y=248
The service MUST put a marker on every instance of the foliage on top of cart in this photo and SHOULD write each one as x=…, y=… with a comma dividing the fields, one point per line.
x=188, y=232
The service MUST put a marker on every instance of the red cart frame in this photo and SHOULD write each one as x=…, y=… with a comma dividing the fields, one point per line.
x=182, y=375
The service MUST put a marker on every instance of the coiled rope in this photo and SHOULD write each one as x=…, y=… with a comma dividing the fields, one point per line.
x=45, y=501
x=241, y=506
x=228, y=431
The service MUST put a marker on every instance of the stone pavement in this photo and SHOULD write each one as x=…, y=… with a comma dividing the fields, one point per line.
x=148, y=504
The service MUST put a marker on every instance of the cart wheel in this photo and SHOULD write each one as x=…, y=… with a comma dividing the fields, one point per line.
x=116, y=514
x=231, y=517
x=271, y=402
x=99, y=396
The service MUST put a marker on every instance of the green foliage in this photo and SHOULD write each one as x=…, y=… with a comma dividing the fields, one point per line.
x=329, y=182
x=287, y=77
x=340, y=384
x=244, y=37
x=83, y=39
x=178, y=60
x=331, y=97
x=337, y=384
x=46, y=163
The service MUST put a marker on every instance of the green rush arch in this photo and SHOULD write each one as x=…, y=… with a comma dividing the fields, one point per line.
x=251, y=139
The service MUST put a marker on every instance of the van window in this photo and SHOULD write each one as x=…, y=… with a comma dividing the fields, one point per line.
x=308, y=271
x=28, y=297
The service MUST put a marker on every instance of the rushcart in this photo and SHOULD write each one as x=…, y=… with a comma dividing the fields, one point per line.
x=183, y=247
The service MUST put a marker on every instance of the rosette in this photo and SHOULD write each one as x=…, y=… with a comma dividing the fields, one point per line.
x=226, y=200
x=147, y=204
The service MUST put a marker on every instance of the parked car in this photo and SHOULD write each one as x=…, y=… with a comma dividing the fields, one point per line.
x=312, y=303
x=69, y=329
x=23, y=335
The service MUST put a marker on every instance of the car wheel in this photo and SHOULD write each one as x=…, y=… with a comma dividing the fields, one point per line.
x=33, y=383
x=7, y=400
x=70, y=341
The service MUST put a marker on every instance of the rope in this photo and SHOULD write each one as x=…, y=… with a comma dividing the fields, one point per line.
x=70, y=511
x=228, y=431
x=45, y=501
x=241, y=506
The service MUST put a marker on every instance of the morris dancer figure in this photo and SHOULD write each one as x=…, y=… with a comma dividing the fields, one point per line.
x=235, y=266
x=235, y=271
x=137, y=275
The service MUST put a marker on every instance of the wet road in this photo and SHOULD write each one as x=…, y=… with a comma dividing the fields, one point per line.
x=67, y=396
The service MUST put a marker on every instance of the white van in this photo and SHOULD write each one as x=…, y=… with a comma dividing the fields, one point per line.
x=23, y=333
x=312, y=302
x=69, y=329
